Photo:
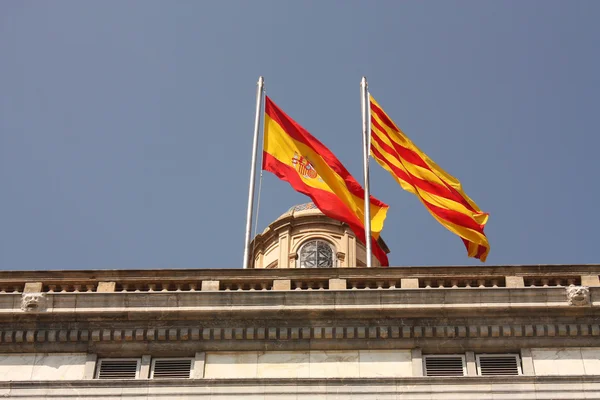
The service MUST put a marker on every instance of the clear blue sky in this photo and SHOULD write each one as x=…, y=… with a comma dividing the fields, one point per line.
x=126, y=127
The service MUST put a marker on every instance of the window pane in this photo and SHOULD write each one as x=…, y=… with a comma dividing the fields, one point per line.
x=324, y=255
x=316, y=254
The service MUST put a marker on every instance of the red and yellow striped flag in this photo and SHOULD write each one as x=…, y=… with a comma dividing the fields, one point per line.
x=295, y=156
x=439, y=191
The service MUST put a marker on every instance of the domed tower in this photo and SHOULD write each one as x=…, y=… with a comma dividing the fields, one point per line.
x=305, y=238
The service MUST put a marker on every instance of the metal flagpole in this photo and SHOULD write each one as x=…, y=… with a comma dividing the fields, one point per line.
x=366, y=133
x=259, y=98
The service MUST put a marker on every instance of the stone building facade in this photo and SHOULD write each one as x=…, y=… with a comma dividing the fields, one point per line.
x=490, y=332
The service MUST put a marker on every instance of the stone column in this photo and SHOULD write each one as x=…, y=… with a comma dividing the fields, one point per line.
x=259, y=259
x=90, y=366
x=33, y=287
x=409, y=283
x=351, y=253
x=471, y=365
x=514, y=282
x=417, y=362
x=145, y=366
x=345, y=244
x=199, y=362
x=590, y=280
x=284, y=250
x=337, y=284
x=282, y=284
x=527, y=362
x=210, y=286
x=106, y=287
x=292, y=257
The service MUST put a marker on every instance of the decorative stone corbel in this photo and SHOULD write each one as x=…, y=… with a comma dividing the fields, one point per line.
x=578, y=295
x=33, y=302
x=292, y=259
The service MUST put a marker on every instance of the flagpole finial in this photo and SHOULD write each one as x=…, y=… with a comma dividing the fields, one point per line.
x=363, y=82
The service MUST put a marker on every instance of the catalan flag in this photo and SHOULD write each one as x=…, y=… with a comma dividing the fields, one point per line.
x=439, y=191
x=295, y=156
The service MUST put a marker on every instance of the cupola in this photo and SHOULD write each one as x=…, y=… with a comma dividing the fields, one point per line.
x=305, y=238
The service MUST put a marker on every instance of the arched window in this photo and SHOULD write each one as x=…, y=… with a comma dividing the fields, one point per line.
x=316, y=254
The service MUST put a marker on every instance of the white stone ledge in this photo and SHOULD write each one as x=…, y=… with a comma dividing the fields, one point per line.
x=520, y=387
x=408, y=301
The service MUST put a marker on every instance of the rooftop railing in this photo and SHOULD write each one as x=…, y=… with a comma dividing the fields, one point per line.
x=398, y=278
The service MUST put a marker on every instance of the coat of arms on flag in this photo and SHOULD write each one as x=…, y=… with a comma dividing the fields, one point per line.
x=303, y=166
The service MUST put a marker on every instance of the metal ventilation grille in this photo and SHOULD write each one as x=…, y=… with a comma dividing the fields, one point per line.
x=444, y=365
x=172, y=368
x=498, y=364
x=118, y=368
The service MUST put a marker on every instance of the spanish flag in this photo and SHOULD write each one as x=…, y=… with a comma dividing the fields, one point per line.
x=439, y=191
x=295, y=156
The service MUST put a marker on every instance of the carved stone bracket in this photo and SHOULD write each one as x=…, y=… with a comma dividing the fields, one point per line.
x=33, y=302
x=292, y=257
x=578, y=295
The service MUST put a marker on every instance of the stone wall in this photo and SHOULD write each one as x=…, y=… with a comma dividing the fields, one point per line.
x=574, y=361
x=566, y=361
x=309, y=364
x=298, y=333
x=42, y=367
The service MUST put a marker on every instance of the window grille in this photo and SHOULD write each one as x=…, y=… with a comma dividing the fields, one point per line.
x=118, y=368
x=171, y=368
x=317, y=254
x=498, y=364
x=445, y=365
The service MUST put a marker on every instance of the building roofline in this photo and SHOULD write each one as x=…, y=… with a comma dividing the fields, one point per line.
x=203, y=271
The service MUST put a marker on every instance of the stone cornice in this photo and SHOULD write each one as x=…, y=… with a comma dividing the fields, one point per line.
x=297, y=304
x=271, y=309
x=262, y=331
x=349, y=317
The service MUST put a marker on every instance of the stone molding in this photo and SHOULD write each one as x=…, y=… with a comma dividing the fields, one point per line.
x=389, y=302
x=464, y=387
x=383, y=332
x=409, y=380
